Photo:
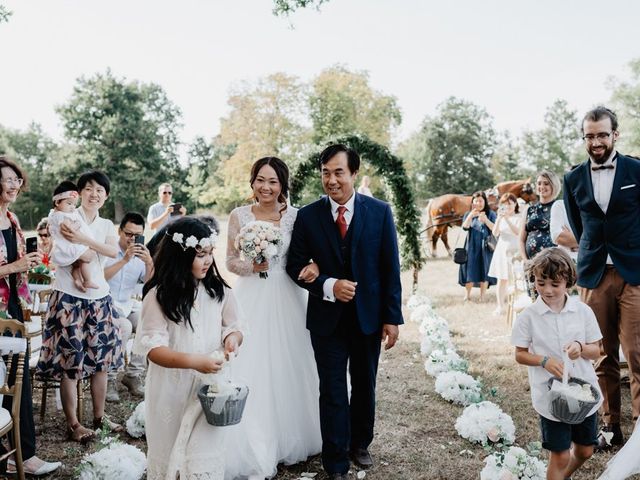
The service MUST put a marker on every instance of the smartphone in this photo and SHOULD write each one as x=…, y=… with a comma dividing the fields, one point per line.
x=32, y=244
x=139, y=239
x=176, y=209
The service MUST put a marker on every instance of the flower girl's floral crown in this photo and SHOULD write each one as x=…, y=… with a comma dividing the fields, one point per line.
x=193, y=242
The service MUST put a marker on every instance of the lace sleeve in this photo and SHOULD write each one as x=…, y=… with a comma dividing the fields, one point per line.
x=231, y=314
x=235, y=263
x=152, y=331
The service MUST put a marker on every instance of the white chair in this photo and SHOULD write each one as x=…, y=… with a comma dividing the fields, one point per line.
x=10, y=421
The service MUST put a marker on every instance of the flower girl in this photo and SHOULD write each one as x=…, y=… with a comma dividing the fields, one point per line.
x=188, y=312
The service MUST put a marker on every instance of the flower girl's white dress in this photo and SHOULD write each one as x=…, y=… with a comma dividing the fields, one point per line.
x=281, y=420
x=179, y=439
x=626, y=462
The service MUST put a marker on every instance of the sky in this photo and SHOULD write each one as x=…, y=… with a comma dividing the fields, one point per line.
x=514, y=58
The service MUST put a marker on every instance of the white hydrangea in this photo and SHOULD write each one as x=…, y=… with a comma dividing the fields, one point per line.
x=135, y=423
x=116, y=460
x=438, y=340
x=416, y=300
x=486, y=423
x=443, y=361
x=458, y=387
x=513, y=464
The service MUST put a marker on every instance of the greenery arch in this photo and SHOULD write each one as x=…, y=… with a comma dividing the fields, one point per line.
x=389, y=167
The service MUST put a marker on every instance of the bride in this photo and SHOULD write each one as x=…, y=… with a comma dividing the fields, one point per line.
x=281, y=420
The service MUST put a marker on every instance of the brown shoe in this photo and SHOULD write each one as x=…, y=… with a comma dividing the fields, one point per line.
x=361, y=457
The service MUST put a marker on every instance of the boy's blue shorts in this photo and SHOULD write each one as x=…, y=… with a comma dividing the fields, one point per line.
x=557, y=436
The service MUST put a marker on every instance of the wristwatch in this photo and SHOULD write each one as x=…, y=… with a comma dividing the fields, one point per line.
x=545, y=359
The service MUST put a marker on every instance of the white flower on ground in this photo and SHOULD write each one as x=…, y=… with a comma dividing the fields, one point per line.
x=439, y=362
x=485, y=422
x=117, y=460
x=135, y=423
x=513, y=464
x=458, y=387
x=417, y=300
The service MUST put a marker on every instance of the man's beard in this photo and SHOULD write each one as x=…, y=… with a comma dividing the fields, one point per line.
x=601, y=157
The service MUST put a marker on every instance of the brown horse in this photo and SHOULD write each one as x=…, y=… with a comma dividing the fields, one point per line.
x=447, y=210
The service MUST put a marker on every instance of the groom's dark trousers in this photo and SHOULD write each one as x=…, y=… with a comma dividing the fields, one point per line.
x=348, y=333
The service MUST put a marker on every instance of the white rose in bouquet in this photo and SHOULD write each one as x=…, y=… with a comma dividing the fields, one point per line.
x=259, y=242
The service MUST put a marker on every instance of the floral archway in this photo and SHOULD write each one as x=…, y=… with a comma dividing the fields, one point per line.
x=391, y=170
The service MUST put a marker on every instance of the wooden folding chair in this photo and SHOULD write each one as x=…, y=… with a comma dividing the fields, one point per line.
x=10, y=421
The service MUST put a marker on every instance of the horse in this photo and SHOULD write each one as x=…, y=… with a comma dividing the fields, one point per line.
x=447, y=210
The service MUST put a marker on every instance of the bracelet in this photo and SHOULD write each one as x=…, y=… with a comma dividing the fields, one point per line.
x=580, y=344
x=545, y=359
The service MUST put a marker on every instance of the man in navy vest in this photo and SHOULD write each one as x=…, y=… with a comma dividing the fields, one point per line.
x=602, y=197
x=353, y=304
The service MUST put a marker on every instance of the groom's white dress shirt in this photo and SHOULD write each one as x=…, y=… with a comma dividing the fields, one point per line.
x=327, y=286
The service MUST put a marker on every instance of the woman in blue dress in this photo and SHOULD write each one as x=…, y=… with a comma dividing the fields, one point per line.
x=478, y=222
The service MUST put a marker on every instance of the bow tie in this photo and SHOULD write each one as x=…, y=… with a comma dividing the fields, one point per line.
x=602, y=167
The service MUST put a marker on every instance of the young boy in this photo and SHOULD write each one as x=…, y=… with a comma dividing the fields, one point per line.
x=554, y=323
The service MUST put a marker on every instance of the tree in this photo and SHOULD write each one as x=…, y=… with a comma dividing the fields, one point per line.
x=343, y=103
x=556, y=146
x=453, y=149
x=128, y=130
x=625, y=100
x=505, y=163
x=286, y=7
x=42, y=159
x=266, y=119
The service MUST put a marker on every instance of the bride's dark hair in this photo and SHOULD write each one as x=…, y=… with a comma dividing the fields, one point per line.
x=172, y=275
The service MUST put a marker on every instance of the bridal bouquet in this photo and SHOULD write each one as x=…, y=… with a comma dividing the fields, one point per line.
x=259, y=241
x=513, y=464
x=485, y=423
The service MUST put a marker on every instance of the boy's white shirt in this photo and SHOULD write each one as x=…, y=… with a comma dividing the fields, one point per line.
x=545, y=332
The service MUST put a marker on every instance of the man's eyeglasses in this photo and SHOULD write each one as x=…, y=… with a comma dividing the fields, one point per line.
x=129, y=234
x=44, y=235
x=12, y=182
x=601, y=137
x=167, y=193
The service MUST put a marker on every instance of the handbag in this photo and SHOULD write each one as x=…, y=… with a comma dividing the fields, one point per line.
x=460, y=255
x=490, y=242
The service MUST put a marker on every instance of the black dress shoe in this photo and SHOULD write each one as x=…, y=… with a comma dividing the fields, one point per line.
x=361, y=457
x=616, y=440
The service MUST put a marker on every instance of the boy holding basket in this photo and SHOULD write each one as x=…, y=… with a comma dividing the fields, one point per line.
x=556, y=325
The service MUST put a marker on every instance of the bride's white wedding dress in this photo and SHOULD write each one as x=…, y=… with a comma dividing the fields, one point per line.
x=281, y=422
x=626, y=462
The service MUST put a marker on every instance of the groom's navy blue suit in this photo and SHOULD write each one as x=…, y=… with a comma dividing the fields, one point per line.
x=348, y=333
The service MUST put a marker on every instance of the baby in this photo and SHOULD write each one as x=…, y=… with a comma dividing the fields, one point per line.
x=64, y=252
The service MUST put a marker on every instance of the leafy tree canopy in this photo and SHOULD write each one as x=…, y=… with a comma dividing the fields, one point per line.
x=286, y=7
x=127, y=129
x=625, y=100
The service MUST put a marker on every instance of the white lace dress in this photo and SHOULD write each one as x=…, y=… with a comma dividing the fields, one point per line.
x=179, y=439
x=507, y=246
x=281, y=419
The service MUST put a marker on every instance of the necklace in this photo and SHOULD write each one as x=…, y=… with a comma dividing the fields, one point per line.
x=270, y=215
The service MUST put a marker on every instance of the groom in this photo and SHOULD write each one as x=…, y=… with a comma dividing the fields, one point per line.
x=354, y=304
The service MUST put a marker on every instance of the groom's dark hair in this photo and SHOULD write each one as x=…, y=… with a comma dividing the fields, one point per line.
x=331, y=151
